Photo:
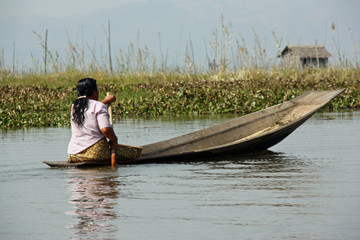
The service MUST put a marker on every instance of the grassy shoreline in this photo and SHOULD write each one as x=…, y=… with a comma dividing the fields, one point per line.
x=43, y=101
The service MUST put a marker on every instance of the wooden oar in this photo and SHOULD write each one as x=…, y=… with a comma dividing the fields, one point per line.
x=113, y=150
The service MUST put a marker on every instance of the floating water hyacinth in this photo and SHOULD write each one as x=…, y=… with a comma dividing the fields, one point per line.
x=38, y=101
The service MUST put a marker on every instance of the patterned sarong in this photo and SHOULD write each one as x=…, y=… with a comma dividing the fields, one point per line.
x=101, y=152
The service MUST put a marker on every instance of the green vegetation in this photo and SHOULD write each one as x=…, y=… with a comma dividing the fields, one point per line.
x=39, y=100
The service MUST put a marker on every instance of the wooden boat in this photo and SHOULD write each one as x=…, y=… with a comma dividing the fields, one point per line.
x=252, y=133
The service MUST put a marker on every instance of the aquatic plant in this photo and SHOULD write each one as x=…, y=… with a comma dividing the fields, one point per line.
x=38, y=100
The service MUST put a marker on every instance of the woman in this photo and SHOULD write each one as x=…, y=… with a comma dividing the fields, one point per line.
x=90, y=127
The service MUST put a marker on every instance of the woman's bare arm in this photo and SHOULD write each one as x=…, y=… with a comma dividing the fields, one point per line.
x=110, y=134
x=109, y=99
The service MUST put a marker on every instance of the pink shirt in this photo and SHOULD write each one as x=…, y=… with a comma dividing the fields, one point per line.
x=96, y=118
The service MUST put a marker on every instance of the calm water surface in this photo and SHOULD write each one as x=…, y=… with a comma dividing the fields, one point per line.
x=307, y=189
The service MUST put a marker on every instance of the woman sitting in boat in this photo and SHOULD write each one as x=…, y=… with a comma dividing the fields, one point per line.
x=90, y=127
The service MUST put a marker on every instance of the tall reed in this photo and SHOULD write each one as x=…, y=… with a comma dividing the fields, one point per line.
x=226, y=52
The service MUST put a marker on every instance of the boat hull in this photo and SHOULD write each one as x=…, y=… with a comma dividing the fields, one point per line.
x=65, y=164
x=252, y=133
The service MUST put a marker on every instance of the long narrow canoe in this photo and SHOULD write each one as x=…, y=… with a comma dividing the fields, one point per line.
x=252, y=133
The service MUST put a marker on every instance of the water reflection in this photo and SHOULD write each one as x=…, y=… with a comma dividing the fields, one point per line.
x=93, y=195
x=264, y=165
x=272, y=179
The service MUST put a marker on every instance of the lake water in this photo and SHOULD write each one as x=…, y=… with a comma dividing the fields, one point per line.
x=308, y=189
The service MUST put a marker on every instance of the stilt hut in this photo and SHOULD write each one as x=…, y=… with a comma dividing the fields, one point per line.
x=304, y=56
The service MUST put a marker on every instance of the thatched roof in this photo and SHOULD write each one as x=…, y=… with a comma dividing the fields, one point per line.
x=306, y=51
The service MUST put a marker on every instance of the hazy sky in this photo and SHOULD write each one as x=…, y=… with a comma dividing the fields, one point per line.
x=58, y=9
x=175, y=22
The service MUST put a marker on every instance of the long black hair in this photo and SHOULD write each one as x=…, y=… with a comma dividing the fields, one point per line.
x=85, y=88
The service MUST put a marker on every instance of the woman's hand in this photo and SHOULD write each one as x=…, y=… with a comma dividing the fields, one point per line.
x=114, y=145
x=109, y=99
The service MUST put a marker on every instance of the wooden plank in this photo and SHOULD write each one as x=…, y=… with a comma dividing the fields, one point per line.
x=65, y=164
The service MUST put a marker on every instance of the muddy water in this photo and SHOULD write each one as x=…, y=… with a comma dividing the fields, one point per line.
x=308, y=188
